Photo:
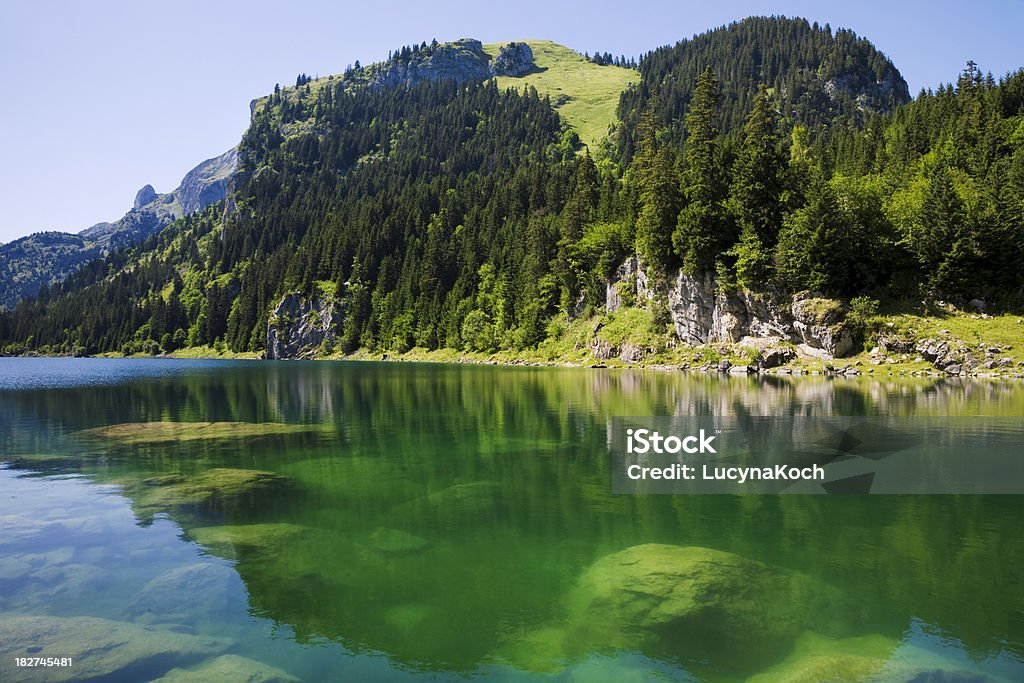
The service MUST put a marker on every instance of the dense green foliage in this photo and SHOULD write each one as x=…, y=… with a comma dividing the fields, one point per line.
x=819, y=77
x=37, y=259
x=461, y=216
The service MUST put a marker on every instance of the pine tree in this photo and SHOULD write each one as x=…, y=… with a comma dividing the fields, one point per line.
x=942, y=239
x=700, y=233
x=756, y=192
x=578, y=213
x=813, y=247
x=659, y=198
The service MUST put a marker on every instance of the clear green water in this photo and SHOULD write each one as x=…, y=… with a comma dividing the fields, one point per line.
x=435, y=521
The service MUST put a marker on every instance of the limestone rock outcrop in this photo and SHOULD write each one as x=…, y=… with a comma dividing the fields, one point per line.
x=460, y=60
x=515, y=59
x=702, y=314
x=144, y=196
x=299, y=326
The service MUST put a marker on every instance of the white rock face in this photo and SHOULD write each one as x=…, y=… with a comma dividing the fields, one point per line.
x=691, y=302
x=299, y=326
x=515, y=59
x=701, y=314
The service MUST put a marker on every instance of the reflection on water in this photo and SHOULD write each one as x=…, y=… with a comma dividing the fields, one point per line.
x=459, y=521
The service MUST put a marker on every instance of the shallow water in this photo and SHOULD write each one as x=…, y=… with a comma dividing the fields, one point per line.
x=435, y=520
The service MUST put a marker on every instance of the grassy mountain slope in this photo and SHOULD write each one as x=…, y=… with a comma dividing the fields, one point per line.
x=585, y=94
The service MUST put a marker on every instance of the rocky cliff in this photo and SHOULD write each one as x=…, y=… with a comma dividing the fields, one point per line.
x=300, y=327
x=45, y=258
x=702, y=314
x=461, y=60
x=207, y=183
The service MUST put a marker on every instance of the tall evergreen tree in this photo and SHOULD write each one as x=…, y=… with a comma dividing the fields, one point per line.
x=701, y=232
x=813, y=246
x=942, y=240
x=578, y=213
x=756, y=192
x=658, y=198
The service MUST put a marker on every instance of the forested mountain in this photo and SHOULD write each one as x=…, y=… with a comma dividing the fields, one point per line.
x=817, y=77
x=447, y=212
x=45, y=258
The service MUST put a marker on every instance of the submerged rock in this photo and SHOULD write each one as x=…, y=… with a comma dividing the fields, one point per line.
x=265, y=537
x=130, y=433
x=471, y=497
x=43, y=461
x=24, y=565
x=214, y=488
x=817, y=658
x=18, y=529
x=697, y=598
x=409, y=617
x=210, y=590
x=454, y=507
x=229, y=668
x=396, y=542
x=13, y=568
x=100, y=649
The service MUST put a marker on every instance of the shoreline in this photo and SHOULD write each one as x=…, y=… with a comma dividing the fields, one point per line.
x=852, y=367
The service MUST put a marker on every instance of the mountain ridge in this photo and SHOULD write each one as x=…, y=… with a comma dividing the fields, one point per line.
x=448, y=213
x=47, y=257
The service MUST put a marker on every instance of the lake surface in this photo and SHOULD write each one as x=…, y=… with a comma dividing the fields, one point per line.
x=392, y=521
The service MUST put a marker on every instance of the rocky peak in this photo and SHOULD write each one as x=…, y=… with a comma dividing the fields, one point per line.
x=461, y=60
x=515, y=59
x=144, y=196
x=207, y=183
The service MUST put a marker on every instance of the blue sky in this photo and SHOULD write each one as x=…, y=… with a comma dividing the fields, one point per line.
x=104, y=97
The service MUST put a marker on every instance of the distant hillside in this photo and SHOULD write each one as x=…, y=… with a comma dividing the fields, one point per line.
x=584, y=93
x=816, y=75
x=45, y=258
